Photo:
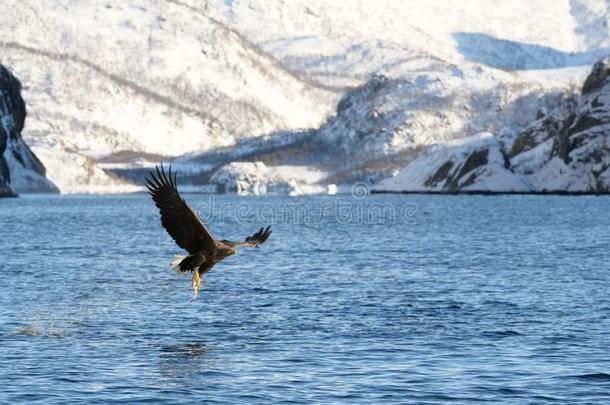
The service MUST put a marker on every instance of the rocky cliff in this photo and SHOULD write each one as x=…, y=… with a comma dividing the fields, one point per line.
x=20, y=169
x=564, y=151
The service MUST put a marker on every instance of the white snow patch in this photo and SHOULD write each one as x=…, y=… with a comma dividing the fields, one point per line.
x=255, y=178
x=491, y=177
x=77, y=174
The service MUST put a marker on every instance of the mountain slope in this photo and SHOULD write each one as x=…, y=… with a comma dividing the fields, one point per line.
x=156, y=78
x=566, y=150
x=353, y=38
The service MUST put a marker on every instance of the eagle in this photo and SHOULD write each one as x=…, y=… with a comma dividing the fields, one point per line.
x=189, y=232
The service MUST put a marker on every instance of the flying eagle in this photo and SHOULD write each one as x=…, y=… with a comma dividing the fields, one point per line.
x=189, y=232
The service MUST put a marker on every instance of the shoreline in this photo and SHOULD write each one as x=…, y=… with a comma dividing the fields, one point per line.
x=494, y=193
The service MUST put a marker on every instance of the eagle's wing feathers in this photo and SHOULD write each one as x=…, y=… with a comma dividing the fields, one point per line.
x=254, y=240
x=182, y=224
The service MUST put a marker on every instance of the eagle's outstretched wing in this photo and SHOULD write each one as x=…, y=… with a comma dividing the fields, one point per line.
x=254, y=240
x=182, y=224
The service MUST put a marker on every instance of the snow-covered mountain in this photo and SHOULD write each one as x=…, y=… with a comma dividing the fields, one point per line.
x=143, y=79
x=566, y=150
x=20, y=170
x=287, y=96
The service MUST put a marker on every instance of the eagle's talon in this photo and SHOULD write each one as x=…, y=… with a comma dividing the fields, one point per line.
x=196, y=284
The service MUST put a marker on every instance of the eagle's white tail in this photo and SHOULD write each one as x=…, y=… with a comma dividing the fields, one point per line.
x=175, y=264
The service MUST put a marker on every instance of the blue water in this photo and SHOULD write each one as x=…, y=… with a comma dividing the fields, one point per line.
x=498, y=299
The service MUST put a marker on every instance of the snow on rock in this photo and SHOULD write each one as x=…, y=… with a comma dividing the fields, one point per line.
x=562, y=151
x=255, y=178
x=20, y=169
x=579, y=159
x=383, y=123
x=74, y=173
x=476, y=163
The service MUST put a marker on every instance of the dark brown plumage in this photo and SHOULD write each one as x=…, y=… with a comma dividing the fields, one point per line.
x=189, y=232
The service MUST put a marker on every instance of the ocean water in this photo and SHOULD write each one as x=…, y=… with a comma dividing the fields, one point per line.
x=383, y=299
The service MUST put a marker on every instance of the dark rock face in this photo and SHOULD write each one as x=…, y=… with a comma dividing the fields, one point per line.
x=595, y=80
x=14, y=153
x=464, y=174
x=442, y=174
x=476, y=159
x=546, y=127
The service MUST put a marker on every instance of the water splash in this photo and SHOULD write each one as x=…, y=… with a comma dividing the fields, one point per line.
x=41, y=327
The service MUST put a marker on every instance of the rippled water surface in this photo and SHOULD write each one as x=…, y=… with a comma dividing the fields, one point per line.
x=499, y=299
